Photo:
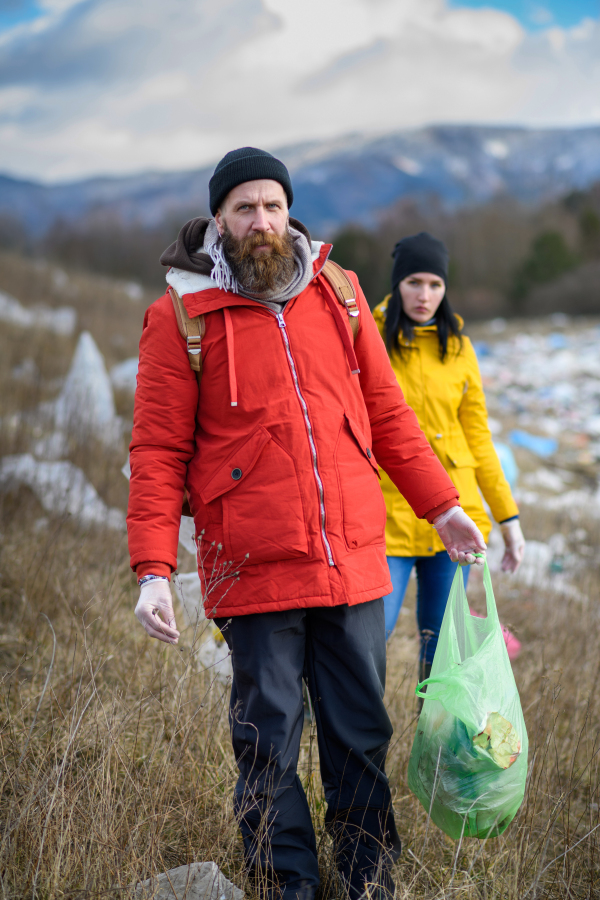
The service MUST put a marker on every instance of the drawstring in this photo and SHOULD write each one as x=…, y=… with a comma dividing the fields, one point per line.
x=230, y=356
x=334, y=306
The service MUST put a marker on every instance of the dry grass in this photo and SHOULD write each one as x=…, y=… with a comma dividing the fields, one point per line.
x=115, y=760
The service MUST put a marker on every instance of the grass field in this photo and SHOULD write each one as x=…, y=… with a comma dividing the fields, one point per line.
x=115, y=760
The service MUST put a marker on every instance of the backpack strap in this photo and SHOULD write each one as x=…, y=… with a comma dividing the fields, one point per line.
x=344, y=292
x=191, y=330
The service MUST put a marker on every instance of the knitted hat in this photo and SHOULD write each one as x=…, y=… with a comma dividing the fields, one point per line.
x=419, y=253
x=246, y=164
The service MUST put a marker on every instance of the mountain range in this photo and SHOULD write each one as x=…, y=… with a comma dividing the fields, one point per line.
x=351, y=179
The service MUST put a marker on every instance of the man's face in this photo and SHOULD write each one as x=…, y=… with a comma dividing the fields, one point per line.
x=253, y=223
x=254, y=207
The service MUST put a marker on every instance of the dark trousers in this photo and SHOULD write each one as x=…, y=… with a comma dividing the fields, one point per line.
x=340, y=653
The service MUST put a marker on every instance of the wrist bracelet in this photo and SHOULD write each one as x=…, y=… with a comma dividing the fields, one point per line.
x=146, y=579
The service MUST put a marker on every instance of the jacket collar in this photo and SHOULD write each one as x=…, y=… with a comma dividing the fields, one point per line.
x=200, y=295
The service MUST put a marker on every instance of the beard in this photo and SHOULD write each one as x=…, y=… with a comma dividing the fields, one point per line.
x=267, y=273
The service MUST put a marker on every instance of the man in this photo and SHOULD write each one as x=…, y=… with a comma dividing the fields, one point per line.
x=279, y=453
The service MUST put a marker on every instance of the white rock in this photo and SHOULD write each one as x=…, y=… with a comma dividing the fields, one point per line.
x=61, y=488
x=124, y=375
x=59, y=321
x=85, y=403
x=198, y=881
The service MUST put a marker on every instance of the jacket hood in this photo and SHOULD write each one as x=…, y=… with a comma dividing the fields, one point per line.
x=190, y=268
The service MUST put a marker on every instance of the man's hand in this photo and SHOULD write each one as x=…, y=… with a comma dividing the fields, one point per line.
x=155, y=611
x=460, y=536
x=514, y=545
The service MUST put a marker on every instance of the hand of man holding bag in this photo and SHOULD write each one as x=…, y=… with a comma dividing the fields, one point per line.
x=461, y=536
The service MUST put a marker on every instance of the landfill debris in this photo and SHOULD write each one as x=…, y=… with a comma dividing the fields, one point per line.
x=499, y=740
x=547, y=385
x=59, y=321
x=541, y=446
x=198, y=881
x=508, y=463
x=26, y=371
x=53, y=446
x=86, y=403
x=61, y=488
x=555, y=481
x=133, y=290
x=124, y=375
x=213, y=653
x=187, y=588
x=187, y=532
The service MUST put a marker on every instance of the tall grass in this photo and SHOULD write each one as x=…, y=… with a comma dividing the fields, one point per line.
x=115, y=760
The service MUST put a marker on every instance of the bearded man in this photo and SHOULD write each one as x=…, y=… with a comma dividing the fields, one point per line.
x=278, y=450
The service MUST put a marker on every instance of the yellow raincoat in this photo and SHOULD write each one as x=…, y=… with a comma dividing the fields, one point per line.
x=448, y=400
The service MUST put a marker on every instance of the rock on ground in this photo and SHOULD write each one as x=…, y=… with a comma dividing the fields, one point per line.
x=198, y=881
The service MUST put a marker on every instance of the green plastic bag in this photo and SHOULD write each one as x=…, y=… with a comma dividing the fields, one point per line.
x=468, y=764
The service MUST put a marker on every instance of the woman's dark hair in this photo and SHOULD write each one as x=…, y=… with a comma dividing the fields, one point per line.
x=398, y=323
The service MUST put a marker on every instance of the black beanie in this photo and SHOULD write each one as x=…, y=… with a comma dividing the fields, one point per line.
x=419, y=253
x=246, y=164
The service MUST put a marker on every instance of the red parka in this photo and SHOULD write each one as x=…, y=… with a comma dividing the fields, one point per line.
x=278, y=450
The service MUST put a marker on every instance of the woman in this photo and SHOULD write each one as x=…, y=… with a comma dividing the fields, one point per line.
x=436, y=367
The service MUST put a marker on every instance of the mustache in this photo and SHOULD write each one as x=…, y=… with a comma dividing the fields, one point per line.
x=242, y=249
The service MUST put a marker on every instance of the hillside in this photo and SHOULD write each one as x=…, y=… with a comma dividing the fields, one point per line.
x=350, y=179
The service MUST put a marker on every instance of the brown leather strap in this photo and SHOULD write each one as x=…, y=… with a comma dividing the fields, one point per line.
x=191, y=330
x=344, y=291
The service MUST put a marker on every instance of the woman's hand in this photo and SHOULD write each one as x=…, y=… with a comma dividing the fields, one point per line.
x=155, y=611
x=460, y=536
x=514, y=545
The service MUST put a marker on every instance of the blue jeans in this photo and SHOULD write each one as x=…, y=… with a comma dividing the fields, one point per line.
x=434, y=579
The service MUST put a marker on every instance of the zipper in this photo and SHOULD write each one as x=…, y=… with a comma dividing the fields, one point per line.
x=311, y=440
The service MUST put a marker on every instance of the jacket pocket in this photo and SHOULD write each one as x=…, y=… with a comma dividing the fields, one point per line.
x=363, y=506
x=262, y=509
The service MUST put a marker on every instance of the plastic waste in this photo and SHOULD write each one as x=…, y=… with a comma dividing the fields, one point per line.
x=468, y=764
x=508, y=463
x=85, y=403
x=59, y=321
x=61, y=488
x=540, y=446
x=124, y=375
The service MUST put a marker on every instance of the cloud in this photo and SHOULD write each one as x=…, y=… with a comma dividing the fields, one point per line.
x=114, y=86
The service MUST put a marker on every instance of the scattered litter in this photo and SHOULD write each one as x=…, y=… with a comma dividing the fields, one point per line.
x=26, y=371
x=52, y=446
x=497, y=326
x=548, y=387
x=187, y=588
x=59, y=321
x=187, y=530
x=61, y=488
x=550, y=481
x=541, y=446
x=198, y=881
x=124, y=375
x=85, y=403
x=133, y=290
x=508, y=463
x=213, y=652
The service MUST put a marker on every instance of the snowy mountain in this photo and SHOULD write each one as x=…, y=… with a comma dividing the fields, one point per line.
x=350, y=179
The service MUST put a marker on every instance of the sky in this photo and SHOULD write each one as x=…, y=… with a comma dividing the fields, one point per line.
x=117, y=86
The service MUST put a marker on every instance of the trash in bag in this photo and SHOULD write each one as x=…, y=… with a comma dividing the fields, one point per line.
x=468, y=764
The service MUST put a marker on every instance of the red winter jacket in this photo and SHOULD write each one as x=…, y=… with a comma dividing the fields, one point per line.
x=285, y=483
